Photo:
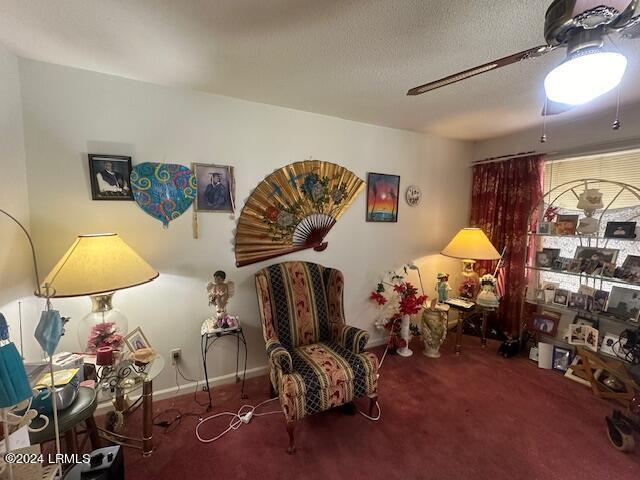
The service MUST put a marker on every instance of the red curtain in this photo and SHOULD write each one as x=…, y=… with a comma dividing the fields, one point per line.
x=503, y=196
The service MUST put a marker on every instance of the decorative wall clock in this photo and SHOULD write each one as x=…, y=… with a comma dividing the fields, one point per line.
x=163, y=190
x=413, y=195
x=293, y=209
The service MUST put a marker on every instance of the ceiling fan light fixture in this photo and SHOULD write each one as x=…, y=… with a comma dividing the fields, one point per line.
x=585, y=75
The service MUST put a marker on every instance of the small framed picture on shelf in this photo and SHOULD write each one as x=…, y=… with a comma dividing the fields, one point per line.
x=561, y=264
x=586, y=290
x=578, y=301
x=589, y=322
x=546, y=228
x=583, y=335
x=546, y=257
x=546, y=324
x=620, y=230
x=610, y=344
x=566, y=224
x=549, y=290
x=624, y=303
x=136, y=340
x=561, y=297
x=600, y=298
x=575, y=266
x=593, y=258
x=539, y=295
x=561, y=359
x=533, y=354
x=630, y=270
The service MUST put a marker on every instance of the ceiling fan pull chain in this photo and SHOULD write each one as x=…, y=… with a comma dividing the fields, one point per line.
x=543, y=138
x=616, y=123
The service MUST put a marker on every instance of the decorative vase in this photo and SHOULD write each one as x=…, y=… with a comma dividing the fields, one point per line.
x=405, y=334
x=102, y=319
x=434, y=331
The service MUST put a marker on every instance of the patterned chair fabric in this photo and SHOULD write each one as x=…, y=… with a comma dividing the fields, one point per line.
x=316, y=361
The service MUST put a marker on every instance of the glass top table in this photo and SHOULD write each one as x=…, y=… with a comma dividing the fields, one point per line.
x=126, y=377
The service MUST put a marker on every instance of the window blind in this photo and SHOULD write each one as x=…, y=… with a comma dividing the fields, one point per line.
x=621, y=167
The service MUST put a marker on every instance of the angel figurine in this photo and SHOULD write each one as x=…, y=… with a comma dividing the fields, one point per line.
x=220, y=292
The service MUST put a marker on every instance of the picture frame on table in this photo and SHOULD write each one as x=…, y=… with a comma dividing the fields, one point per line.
x=620, y=230
x=533, y=354
x=546, y=324
x=561, y=297
x=584, y=335
x=589, y=322
x=109, y=177
x=624, y=303
x=383, y=192
x=610, y=344
x=593, y=258
x=566, y=224
x=136, y=340
x=561, y=359
x=578, y=301
x=216, y=187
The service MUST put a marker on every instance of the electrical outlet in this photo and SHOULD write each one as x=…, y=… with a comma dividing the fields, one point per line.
x=176, y=355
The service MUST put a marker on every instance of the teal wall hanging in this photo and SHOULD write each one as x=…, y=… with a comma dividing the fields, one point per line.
x=163, y=190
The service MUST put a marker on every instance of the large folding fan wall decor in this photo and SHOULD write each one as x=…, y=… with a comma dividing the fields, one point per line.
x=293, y=209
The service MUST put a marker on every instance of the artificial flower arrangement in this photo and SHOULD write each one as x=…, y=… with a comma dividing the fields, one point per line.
x=105, y=334
x=403, y=299
x=226, y=321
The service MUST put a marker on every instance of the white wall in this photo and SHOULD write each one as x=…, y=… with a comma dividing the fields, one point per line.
x=565, y=134
x=69, y=113
x=17, y=279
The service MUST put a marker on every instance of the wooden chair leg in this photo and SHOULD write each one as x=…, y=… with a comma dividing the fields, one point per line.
x=71, y=440
x=372, y=404
x=92, y=431
x=292, y=446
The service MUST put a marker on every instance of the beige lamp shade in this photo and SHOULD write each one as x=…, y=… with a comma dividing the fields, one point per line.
x=472, y=244
x=97, y=264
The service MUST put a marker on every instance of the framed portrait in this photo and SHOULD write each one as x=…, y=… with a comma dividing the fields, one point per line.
x=600, y=298
x=109, y=177
x=533, y=354
x=216, y=187
x=624, y=303
x=539, y=295
x=382, y=197
x=610, y=344
x=566, y=224
x=593, y=259
x=545, y=324
x=583, y=335
x=546, y=228
x=561, y=359
x=136, y=340
x=561, y=297
x=620, y=230
x=578, y=301
x=630, y=270
x=546, y=257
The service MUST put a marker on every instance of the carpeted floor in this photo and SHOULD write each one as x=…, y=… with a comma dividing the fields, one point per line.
x=477, y=416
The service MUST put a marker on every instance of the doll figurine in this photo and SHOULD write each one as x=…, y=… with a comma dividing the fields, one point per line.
x=443, y=287
x=487, y=296
x=220, y=292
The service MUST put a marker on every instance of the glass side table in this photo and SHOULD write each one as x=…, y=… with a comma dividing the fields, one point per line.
x=115, y=384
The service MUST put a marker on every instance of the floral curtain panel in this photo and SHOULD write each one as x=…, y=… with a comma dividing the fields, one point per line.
x=503, y=196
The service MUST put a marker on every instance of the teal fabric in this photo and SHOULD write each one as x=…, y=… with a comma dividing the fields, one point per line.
x=49, y=330
x=164, y=191
x=14, y=384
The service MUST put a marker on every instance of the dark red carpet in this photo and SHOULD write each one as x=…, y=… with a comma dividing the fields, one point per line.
x=477, y=416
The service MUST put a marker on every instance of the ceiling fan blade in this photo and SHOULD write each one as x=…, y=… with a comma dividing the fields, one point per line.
x=555, y=108
x=503, y=62
x=631, y=29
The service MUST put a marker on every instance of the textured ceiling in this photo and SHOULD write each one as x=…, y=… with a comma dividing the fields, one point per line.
x=353, y=59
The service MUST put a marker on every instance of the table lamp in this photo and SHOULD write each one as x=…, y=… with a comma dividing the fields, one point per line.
x=98, y=265
x=469, y=245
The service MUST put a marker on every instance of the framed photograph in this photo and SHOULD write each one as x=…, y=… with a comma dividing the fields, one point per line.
x=561, y=359
x=382, y=197
x=630, y=270
x=545, y=258
x=620, y=230
x=545, y=324
x=539, y=295
x=594, y=258
x=561, y=264
x=561, y=297
x=533, y=354
x=216, y=187
x=136, y=340
x=586, y=290
x=610, y=344
x=624, y=303
x=546, y=228
x=549, y=290
x=577, y=301
x=109, y=176
x=566, y=224
x=583, y=335
x=589, y=322
x=600, y=298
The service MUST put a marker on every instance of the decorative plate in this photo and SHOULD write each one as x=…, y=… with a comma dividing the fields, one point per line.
x=413, y=195
x=163, y=190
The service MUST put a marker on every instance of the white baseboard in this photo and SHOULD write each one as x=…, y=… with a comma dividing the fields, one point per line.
x=185, y=388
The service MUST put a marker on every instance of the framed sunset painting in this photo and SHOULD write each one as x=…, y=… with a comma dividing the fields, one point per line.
x=382, y=197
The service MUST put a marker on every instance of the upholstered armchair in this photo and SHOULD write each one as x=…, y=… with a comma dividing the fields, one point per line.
x=316, y=361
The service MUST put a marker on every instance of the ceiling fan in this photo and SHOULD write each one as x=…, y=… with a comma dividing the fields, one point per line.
x=590, y=69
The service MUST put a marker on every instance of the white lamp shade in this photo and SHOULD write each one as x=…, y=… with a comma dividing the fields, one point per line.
x=97, y=264
x=585, y=76
x=472, y=244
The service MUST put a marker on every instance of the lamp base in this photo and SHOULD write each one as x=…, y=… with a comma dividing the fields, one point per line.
x=105, y=326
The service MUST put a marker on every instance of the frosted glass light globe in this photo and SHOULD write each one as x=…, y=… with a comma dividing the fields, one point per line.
x=583, y=77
